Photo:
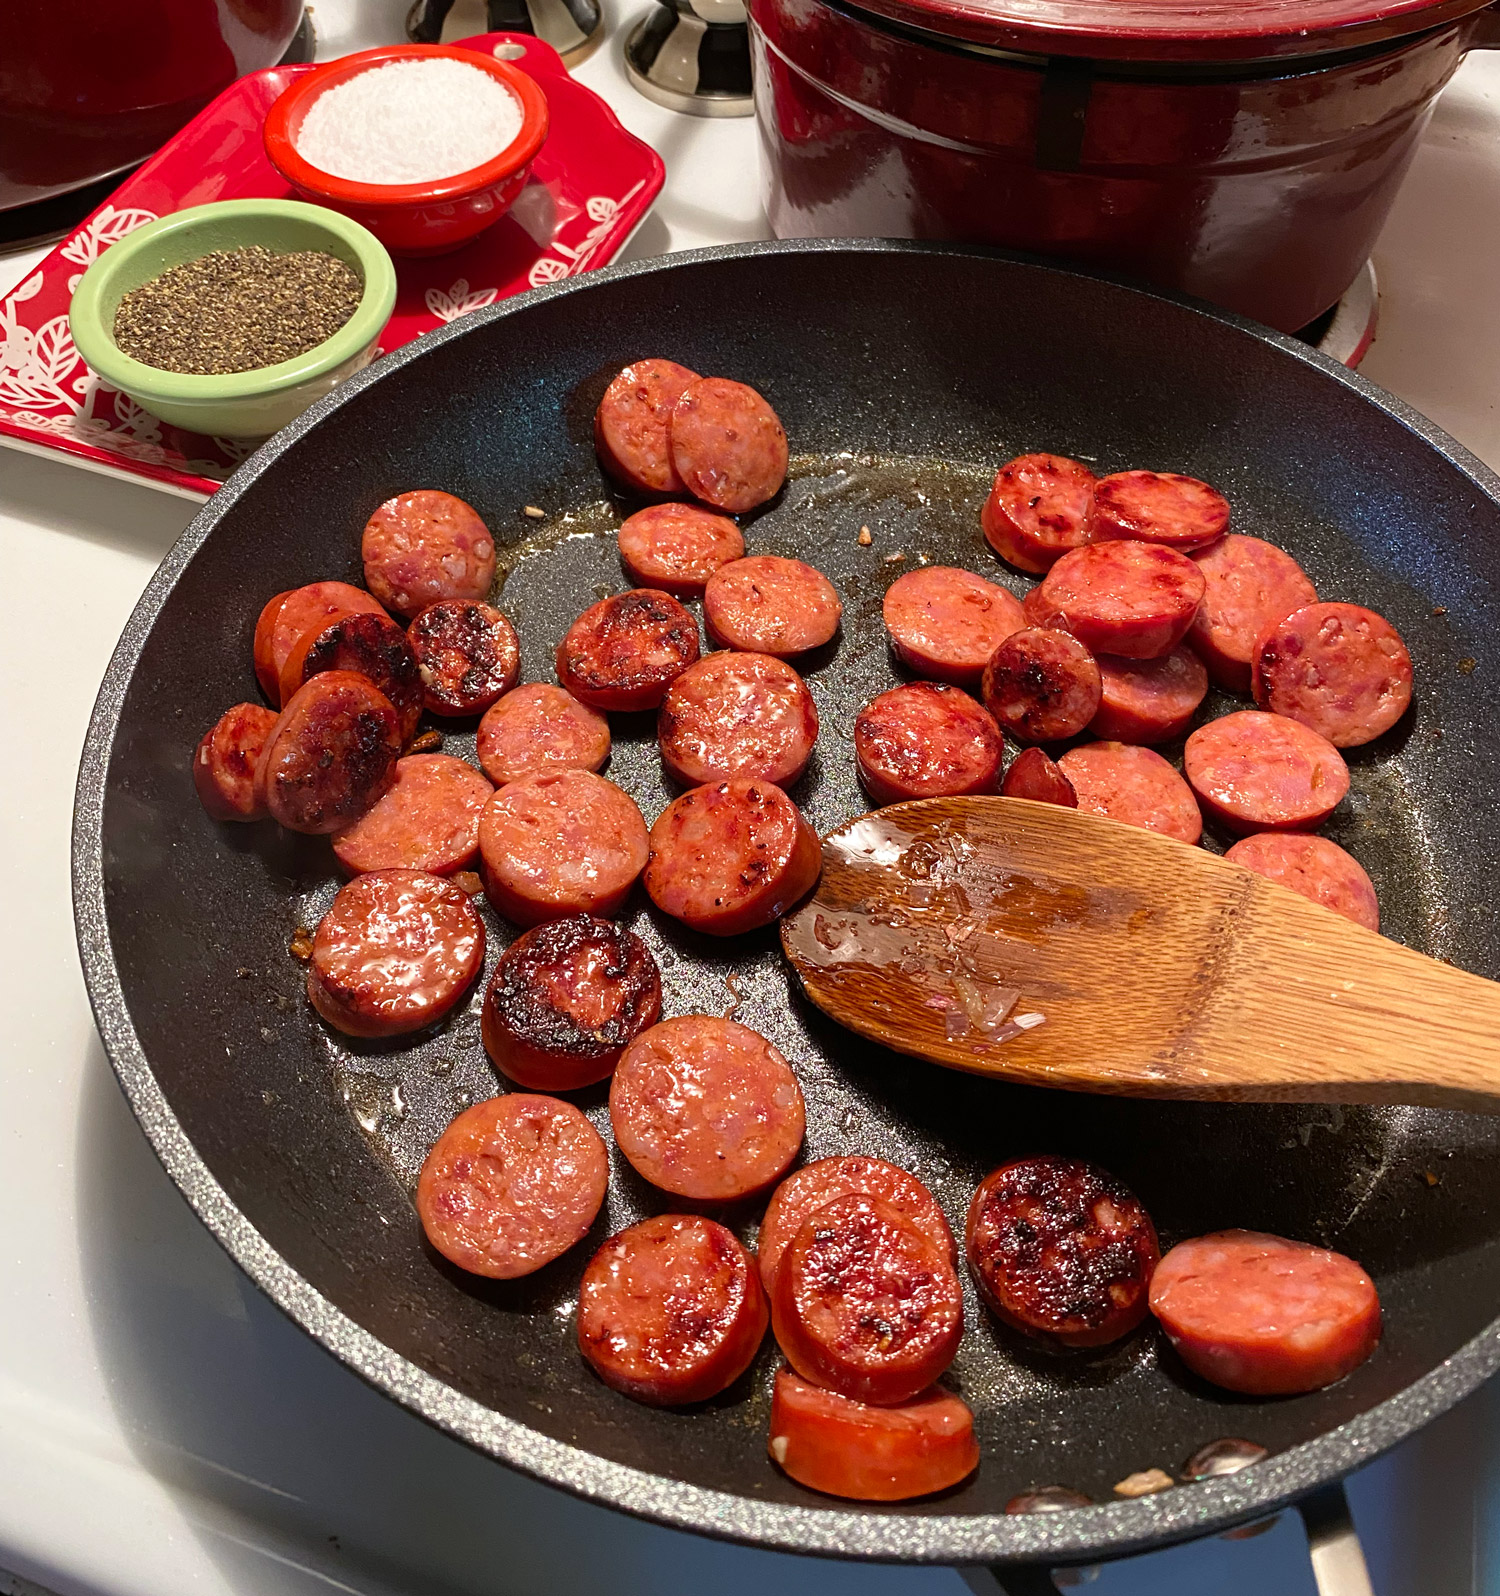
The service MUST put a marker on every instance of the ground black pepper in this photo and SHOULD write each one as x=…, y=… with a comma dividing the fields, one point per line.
x=236, y=310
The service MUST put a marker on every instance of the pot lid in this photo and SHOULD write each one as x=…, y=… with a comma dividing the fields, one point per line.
x=1173, y=30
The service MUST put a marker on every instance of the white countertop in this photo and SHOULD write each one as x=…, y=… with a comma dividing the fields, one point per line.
x=163, y=1430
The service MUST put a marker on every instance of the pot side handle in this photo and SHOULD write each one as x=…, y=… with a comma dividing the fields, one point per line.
x=1486, y=35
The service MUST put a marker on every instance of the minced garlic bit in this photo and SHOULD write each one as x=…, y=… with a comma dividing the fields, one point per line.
x=1144, y=1483
x=467, y=881
x=534, y=513
x=425, y=742
x=891, y=559
x=865, y=539
x=778, y=1448
x=301, y=945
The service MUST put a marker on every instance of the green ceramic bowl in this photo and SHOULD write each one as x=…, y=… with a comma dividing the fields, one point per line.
x=247, y=404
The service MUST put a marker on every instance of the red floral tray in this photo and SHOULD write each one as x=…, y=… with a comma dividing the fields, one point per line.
x=591, y=187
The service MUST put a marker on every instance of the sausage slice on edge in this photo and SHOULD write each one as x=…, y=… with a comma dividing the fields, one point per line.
x=945, y=622
x=866, y=1454
x=1061, y=1251
x=224, y=762
x=427, y=820
x=671, y=1310
x=425, y=546
x=1133, y=785
x=1249, y=585
x=728, y=444
x=767, y=604
x=815, y=1185
x=1263, y=1315
x=624, y=652
x=733, y=715
x=730, y=857
x=677, y=547
x=1258, y=772
x=539, y=728
x=566, y=999
x=512, y=1184
x=369, y=645
x=1157, y=507
x=396, y=950
x=1041, y=685
x=1035, y=776
x=866, y=1304
x=1126, y=597
x=1037, y=509
x=630, y=426
x=926, y=740
x=1315, y=867
x=290, y=616
x=706, y=1109
x=563, y=843
x=467, y=654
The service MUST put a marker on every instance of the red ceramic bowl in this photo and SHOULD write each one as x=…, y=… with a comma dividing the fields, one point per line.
x=411, y=218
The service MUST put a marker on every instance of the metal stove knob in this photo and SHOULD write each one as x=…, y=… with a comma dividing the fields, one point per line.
x=693, y=56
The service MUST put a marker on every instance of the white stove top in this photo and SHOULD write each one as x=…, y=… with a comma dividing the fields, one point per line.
x=163, y=1430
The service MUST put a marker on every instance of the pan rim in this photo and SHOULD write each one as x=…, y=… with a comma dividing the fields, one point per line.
x=1082, y=1534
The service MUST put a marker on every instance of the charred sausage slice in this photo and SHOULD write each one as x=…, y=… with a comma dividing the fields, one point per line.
x=926, y=740
x=224, y=762
x=1035, y=776
x=623, y=653
x=370, y=645
x=1041, y=685
x=467, y=654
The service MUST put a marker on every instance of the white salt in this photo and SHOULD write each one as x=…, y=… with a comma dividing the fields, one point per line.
x=409, y=122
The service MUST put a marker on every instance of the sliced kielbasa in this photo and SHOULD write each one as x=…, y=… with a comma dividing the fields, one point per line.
x=428, y=820
x=677, y=547
x=1149, y=700
x=1263, y=1315
x=736, y=714
x=926, y=740
x=425, y=546
x=330, y=755
x=1339, y=668
x=1034, y=775
x=1315, y=867
x=396, y=950
x=624, y=652
x=1249, y=585
x=866, y=1304
x=538, y=728
x=728, y=444
x=290, y=616
x=1037, y=509
x=1133, y=785
x=1157, y=507
x=511, y=1184
x=467, y=653
x=1041, y=685
x=1124, y=597
x=671, y=1310
x=1061, y=1250
x=630, y=426
x=706, y=1109
x=731, y=856
x=1258, y=772
x=767, y=604
x=566, y=999
x=268, y=673
x=369, y=645
x=564, y=842
x=815, y=1185
x=945, y=622
x=224, y=762
x=832, y=1444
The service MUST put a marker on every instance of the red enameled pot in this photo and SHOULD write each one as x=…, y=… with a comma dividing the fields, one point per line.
x=1247, y=153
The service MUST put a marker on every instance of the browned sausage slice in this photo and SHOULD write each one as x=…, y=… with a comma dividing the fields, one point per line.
x=1157, y=507
x=815, y=1185
x=926, y=740
x=1133, y=785
x=706, y=1109
x=945, y=622
x=866, y=1454
x=671, y=1310
x=538, y=728
x=427, y=820
x=224, y=762
x=728, y=445
x=512, y=1184
x=1125, y=597
x=766, y=604
x=1339, y=668
x=565, y=842
x=330, y=755
x=1264, y=1315
x=1037, y=509
x=1033, y=775
x=1149, y=700
x=369, y=645
x=1259, y=772
x=630, y=426
x=736, y=714
x=424, y=546
x=467, y=654
x=566, y=999
x=731, y=856
x=623, y=653
x=677, y=547
x=866, y=1304
x=1061, y=1250
x=1249, y=585
x=1315, y=867
x=290, y=616
x=396, y=950
x=1041, y=685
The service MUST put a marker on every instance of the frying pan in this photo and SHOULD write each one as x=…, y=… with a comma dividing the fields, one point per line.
x=904, y=374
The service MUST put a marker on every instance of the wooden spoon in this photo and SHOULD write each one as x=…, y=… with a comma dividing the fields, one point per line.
x=1038, y=944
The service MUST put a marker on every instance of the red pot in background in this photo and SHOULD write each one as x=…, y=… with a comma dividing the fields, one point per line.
x=91, y=87
x=1259, y=184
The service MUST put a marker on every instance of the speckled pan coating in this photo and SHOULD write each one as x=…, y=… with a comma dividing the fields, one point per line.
x=256, y=1110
